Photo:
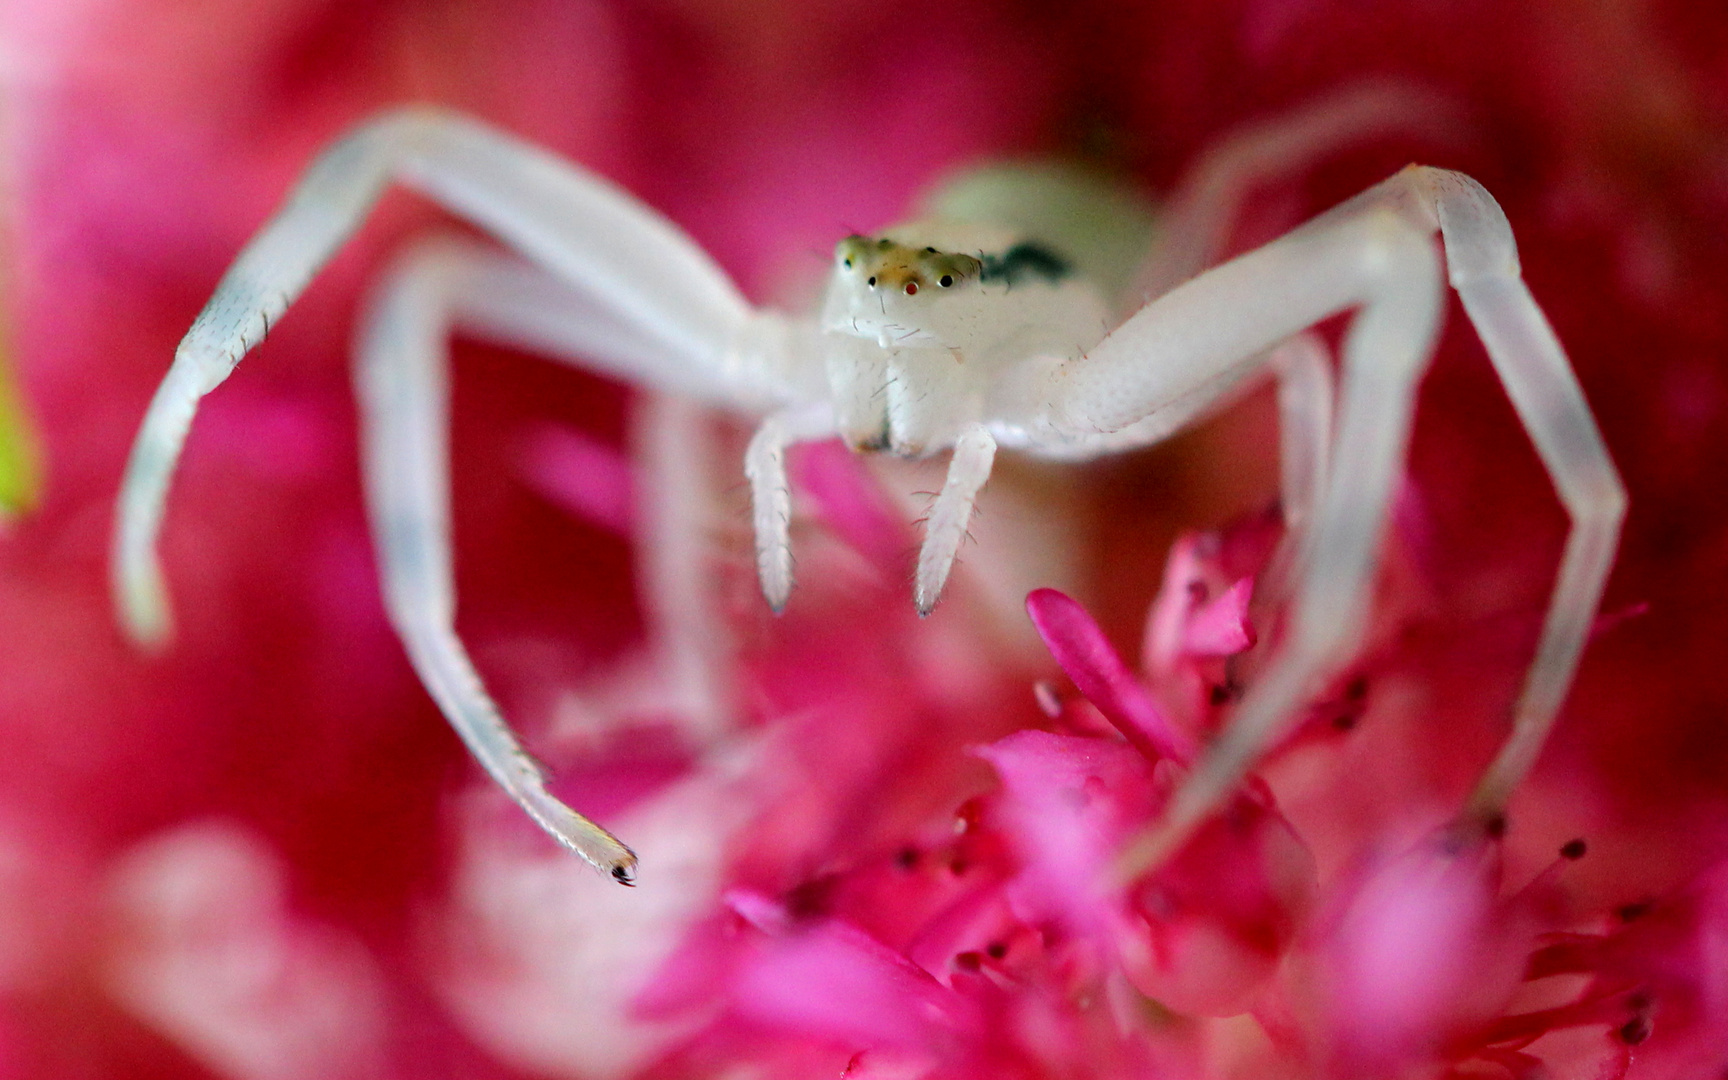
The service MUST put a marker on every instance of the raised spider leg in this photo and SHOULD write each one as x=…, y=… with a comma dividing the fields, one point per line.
x=632, y=262
x=1372, y=252
x=771, y=492
x=1196, y=223
x=641, y=301
x=1482, y=265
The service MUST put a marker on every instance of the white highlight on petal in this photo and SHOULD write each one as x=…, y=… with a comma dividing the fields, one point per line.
x=211, y=958
x=540, y=961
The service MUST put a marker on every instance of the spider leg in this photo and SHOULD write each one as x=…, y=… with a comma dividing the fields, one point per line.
x=1378, y=261
x=1483, y=267
x=516, y=303
x=689, y=637
x=402, y=381
x=628, y=259
x=1305, y=401
x=1373, y=253
x=968, y=469
x=1195, y=225
x=771, y=492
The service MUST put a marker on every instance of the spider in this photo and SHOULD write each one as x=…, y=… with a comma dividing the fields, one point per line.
x=966, y=333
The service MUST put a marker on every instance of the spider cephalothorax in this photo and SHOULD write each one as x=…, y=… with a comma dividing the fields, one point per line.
x=922, y=322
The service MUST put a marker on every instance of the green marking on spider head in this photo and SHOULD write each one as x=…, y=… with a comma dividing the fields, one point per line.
x=1070, y=216
x=20, y=454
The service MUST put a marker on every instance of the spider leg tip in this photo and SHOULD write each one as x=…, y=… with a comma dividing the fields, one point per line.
x=145, y=620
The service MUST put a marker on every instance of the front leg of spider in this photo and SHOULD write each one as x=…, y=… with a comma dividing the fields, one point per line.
x=771, y=492
x=968, y=469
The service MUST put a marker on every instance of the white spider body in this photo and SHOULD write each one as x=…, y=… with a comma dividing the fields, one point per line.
x=962, y=333
x=924, y=327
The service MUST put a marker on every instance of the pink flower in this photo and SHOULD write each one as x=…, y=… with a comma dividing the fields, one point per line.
x=262, y=855
x=1202, y=933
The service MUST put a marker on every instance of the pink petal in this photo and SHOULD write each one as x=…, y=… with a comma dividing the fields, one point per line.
x=1079, y=646
x=1067, y=803
x=842, y=487
x=1410, y=956
x=834, y=981
x=1162, y=644
x=1220, y=626
x=582, y=475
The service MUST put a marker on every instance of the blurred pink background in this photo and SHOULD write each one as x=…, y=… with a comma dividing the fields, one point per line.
x=280, y=789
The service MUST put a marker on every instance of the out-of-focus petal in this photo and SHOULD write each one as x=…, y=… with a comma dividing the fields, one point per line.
x=581, y=475
x=1069, y=801
x=1413, y=952
x=1080, y=648
x=210, y=955
x=1220, y=626
x=833, y=981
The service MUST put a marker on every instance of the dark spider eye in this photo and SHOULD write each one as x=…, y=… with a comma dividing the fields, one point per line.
x=871, y=283
x=946, y=280
x=911, y=288
x=931, y=251
x=847, y=264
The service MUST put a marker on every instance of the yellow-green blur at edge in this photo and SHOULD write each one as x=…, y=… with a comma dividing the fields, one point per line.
x=20, y=460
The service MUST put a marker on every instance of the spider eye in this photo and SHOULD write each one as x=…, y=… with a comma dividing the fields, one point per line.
x=930, y=250
x=847, y=264
x=911, y=288
x=871, y=282
x=946, y=280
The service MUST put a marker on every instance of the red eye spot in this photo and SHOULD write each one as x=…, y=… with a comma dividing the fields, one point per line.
x=911, y=288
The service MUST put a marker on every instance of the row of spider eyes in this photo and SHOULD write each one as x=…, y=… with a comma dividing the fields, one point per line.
x=946, y=280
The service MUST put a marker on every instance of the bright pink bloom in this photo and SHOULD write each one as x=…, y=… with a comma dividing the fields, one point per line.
x=262, y=855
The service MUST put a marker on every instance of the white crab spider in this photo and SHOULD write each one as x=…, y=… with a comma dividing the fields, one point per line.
x=945, y=335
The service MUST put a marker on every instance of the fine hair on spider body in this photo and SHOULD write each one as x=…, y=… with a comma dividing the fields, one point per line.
x=965, y=332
